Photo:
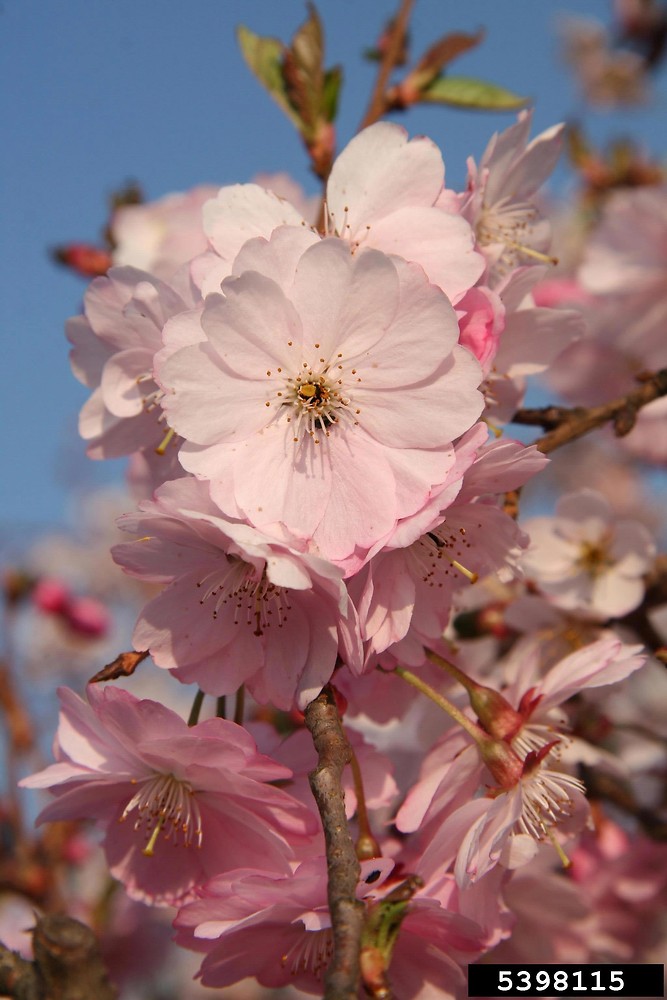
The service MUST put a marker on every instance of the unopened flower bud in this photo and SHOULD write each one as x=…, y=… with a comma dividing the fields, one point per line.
x=87, y=617
x=51, y=596
x=87, y=260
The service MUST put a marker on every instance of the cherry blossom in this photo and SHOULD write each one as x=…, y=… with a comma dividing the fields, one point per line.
x=500, y=199
x=114, y=344
x=178, y=804
x=584, y=559
x=268, y=924
x=283, y=922
x=413, y=587
x=382, y=193
x=347, y=402
x=241, y=606
x=527, y=795
x=160, y=236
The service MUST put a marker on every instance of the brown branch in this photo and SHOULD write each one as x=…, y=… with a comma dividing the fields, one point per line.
x=67, y=964
x=567, y=424
x=347, y=913
x=378, y=102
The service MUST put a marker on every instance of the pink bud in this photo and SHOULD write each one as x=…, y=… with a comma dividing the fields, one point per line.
x=51, y=596
x=87, y=616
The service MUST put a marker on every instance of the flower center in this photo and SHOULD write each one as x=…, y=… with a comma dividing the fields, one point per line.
x=593, y=558
x=165, y=803
x=546, y=801
x=311, y=952
x=254, y=599
x=511, y=224
x=314, y=399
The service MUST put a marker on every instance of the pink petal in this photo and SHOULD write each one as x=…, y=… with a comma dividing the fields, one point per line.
x=241, y=212
x=380, y=171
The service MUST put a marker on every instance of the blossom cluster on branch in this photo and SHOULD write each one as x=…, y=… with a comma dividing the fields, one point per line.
x=315, y=401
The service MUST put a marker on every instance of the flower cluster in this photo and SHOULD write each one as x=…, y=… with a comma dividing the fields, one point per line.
x=321, y=502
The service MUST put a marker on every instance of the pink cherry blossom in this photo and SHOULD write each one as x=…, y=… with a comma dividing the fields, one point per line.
x=298, y=754
x=532, y=339
x=336, y=379
x=160, y=236
x=500, y=200
x=505, y=824
x=114, y=344
x=278, y=928
x=381, y=193
x=267, y=924
x=241, y=607
x=178, y=804
x=413, y=587
x=584, y=559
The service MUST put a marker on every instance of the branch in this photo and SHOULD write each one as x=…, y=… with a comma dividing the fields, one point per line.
x=567, y=424
x=347, y=913
x=378, y=101
x=67, y=964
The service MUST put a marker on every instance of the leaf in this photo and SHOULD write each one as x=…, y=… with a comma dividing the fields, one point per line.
x=307, y=44
x=440, y=54
x=303, y=73
x=468, y=92
x=333, y=80
x=264, y=56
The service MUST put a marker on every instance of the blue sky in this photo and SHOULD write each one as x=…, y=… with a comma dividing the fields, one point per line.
x=97, y=92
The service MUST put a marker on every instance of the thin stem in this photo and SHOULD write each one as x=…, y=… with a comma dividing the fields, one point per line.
x=474, y=731
x=366, y=846
x=378, y=102
x=343, y=869
x=221, y=707
x=240, y=706
x=196, y=708
x=451, y=669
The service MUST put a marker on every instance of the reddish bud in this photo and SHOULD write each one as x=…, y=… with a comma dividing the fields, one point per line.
x=87, y=617
x=87, y=260
x=51, y=596
x=374, y=973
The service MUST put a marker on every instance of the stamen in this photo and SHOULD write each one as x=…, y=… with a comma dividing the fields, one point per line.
x=311, y=952
x=565, y=861
x=165, y=803
x=442, y=545
x=162, y=447
x=243, y=585
x=318, y=399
